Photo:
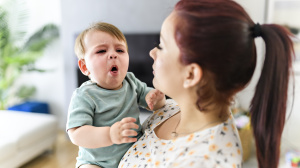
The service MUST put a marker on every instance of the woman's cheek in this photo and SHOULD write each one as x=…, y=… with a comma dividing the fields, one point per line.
x=158, y=67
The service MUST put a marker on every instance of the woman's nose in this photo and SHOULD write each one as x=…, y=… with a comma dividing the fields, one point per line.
x=152, y=53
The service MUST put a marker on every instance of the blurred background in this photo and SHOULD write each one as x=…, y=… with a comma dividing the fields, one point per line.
x=140, y=21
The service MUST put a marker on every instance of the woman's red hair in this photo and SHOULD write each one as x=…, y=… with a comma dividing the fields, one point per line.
x=218, y=35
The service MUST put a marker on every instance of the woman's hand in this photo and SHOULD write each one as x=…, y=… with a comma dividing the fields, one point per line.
x=155, y=99
x=121, y=132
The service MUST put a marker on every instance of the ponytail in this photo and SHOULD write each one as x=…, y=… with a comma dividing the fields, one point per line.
x=268, y=106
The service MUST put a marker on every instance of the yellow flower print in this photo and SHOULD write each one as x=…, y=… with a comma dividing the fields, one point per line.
x=239, y=151
x=136, y=153
x=134, y=166
x=212, y=147
x=175, y=164
x=206, y=157
x=163, y=143
x=225, y=128
x=190, y=138
x=211, y=137
x=229, y=144
x=191, y=152
x=233, y=166
x=160, y=113
x=192, y=163
x=128, y=152
x=149, y=160
x=147, y=154
x=171, y=149
x=157, y=163
x=156, y=111
x=232, y=126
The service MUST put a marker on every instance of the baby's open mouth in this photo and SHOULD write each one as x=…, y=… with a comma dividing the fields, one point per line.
x=114, y=69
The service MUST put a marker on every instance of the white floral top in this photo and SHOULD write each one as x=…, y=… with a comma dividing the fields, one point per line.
x=216, y=147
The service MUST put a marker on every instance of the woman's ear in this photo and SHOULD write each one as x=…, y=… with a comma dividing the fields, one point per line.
x=82, y=67
x=193, y=75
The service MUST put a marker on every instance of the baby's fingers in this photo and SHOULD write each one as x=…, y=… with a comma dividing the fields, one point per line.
x=128, y=120
x=128, y=140
x=150, y=105
x=128, y=132
x=129, y=126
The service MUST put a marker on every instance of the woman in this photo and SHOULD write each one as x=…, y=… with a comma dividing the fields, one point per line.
x=206, y=55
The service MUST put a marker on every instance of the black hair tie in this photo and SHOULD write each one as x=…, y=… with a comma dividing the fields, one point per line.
x=256, y=30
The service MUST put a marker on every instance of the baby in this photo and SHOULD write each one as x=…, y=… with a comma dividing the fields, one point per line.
x=103, y=117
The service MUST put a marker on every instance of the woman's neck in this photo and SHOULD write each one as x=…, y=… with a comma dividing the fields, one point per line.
x=192, y=119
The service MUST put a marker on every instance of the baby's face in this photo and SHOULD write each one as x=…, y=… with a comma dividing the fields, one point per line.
x=106, y=59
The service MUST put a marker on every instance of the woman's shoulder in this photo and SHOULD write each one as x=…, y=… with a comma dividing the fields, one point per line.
x=170, y=108
x=221, y=144
x=162, y=114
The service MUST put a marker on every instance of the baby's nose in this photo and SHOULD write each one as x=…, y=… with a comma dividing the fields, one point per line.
x=112, y=57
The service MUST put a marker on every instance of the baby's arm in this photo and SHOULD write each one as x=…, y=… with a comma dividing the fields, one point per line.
x=88, y=136
x=155, y=99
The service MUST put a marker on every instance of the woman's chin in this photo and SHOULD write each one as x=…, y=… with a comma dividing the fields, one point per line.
x=154, y=84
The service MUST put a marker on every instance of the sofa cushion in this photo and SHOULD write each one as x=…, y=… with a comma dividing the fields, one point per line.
x=23, y=129
x=8, y=147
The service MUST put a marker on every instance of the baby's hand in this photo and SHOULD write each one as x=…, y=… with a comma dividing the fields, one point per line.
x=120, y=131
x=155, y=99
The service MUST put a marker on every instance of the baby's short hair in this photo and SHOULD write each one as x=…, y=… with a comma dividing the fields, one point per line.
x=100, y=26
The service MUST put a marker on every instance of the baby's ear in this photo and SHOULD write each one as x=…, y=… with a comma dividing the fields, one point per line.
x=82, y=67
x=193, y=75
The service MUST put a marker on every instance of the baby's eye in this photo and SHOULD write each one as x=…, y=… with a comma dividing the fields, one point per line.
x=120, y=51
x=101, y=51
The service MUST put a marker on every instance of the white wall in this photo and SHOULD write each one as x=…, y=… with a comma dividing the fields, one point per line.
x=50, y=85
x=256, y=10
